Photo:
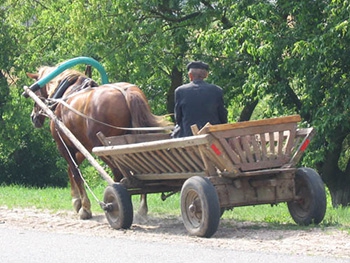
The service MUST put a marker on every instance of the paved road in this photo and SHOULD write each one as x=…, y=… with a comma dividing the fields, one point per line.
x=29, y=246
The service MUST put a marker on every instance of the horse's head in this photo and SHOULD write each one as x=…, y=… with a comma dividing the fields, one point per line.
x=37, y=115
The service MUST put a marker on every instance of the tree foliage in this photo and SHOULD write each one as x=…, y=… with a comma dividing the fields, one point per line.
x=272, y=58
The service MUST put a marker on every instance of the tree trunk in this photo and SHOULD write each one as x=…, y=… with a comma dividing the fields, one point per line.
x=340, y=191
x=247, y=111
x=337, y=181
x=176, y=80
x=4, y=93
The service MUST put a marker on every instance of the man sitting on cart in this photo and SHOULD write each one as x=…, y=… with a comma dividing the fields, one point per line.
x=198, y=102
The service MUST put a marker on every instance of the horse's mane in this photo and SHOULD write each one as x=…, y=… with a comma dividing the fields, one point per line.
x=53, y=84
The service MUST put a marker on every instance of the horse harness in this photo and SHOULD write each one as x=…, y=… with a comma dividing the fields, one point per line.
x=85, y=84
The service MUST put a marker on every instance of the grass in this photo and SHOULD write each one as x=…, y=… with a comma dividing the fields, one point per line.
x=59, y=199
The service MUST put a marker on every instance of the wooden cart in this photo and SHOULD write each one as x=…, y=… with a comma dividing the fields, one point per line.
x=221, y=167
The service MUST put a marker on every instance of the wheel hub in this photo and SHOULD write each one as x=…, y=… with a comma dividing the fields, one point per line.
x=195, y=207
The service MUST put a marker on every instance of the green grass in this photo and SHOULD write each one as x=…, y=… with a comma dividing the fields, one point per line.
x=59, y=199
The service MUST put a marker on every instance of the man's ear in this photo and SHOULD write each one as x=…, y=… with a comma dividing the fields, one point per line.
x=34, y=76
x=190, y=76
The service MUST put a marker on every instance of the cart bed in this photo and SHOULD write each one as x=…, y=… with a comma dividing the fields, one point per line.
x=230, y=150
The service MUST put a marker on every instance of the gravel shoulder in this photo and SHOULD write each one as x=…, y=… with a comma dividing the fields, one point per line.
x=317, y=241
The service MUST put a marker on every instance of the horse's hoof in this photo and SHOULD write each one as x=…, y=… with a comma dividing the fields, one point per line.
x=84, y=214
x=140, y=219
x=76, y=204
x=142, y=212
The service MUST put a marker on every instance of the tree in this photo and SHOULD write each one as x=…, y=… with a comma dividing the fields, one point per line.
x=272, y=58
x=296, y=55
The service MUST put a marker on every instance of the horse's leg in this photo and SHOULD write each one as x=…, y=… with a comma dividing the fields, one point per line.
x=80, y=200
x=85, y=209
x=76, y=200
x=143, y=210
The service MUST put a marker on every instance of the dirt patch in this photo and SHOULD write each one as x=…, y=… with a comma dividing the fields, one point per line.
x=321, y=241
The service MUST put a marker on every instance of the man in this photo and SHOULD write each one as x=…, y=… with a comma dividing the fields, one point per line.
x=198, y=102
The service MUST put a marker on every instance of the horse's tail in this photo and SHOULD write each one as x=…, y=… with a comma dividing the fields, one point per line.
x=141, y=115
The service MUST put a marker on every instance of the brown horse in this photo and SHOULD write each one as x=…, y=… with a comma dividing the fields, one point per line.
x=88, y=109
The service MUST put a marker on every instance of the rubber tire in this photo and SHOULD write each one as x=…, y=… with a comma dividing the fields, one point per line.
x=199, y=194
x=311, y=207
x=120, y=215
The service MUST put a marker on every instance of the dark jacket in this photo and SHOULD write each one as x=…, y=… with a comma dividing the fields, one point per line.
x=198, y=102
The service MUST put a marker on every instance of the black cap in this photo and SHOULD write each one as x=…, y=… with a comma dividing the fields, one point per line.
x=197, y=64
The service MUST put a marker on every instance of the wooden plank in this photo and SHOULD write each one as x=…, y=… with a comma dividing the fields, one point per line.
x=150, y=146
x=263, y=146
x=247, y=150
x=271, y=143
x=246, y=124
x=290, y=140
x=217, y=154
x=153, y=159
x=193, y=156
x=228, y=146
x=179, y=158
x=143, y=163
x=209, y=166
x=188, y=159
x=164, y=161
x=261, y=172
x=280, y=143
x=237, y=147
x=169, y=160
x=178, y=167
x=131, y=138
x=168, y=176
x=253, y=130
x=256, y=148
x=310, y=132
x=262, y=165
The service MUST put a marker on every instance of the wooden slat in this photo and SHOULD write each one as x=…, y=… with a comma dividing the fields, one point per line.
x=238, y=149
x=177, y=166
x=271, y=143
x=168, y=176
x=169, y=160
x=150, y=146
x=248, y=153
x=263, y=146
x=262, y=165
x=153, y=159
x=218, y=155
x=197, y=164
x=209, y=166
x=256, y=148
x=136, y=163
x=131, y=138
x=188, y=159
x=163, y=161
x=184, y=166
x=308, y=134
x=231, y=152
x=260, y=172
x=231, y=126
x=280, y=143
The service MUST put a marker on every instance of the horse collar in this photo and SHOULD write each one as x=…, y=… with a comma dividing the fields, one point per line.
x=61, y=89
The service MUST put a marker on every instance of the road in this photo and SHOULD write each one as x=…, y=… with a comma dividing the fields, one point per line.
x=34, y=246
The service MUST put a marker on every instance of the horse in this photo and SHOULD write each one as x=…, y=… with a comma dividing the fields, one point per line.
x=86, y=108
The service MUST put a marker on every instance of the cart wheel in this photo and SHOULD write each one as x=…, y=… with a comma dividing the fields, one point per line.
x=310, y=206
x=200, y=208
x=118, y=207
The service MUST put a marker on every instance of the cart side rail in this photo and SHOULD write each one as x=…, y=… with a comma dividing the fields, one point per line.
x=176, y=158
x=262, y=144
